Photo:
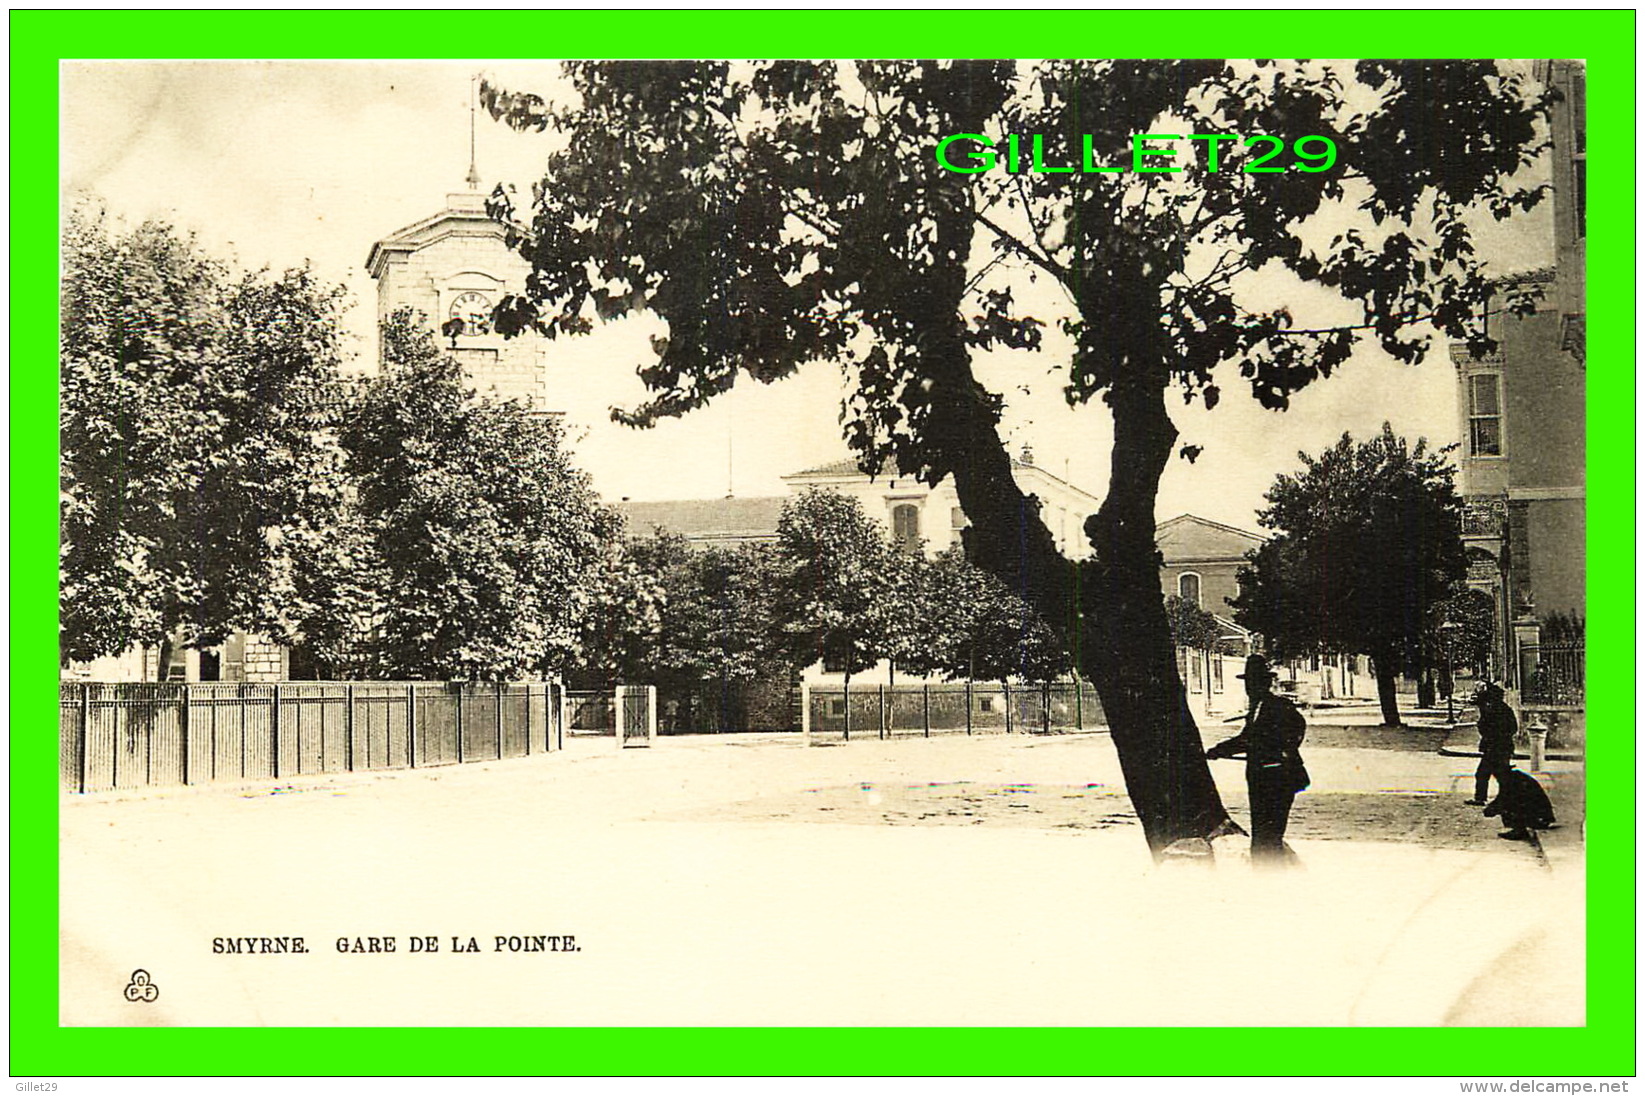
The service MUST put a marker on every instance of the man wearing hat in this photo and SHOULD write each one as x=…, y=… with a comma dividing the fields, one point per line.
x=1497, y=730
x=1274, y=772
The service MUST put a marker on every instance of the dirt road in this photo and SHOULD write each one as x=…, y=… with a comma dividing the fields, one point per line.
x=752, y=880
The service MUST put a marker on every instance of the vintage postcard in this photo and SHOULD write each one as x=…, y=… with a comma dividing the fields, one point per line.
x=857, y=544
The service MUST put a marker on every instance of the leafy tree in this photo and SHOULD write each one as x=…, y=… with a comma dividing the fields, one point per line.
x=340, y=588
x=485, y=546
x=705, y=633
x=772, y=213
x=1368, y=544
x=1560, y=627
x=739, y=644
x=1192, y=626
x=197, y=468
x=624, y=618
x=973, y=626
x=838, y=593
x=1469, y=642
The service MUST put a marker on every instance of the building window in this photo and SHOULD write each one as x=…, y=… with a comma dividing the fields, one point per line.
x=1216, y=672
x=1188, y=587
x=985, y=703
x=833, y=659
x=956, y=518
x=905, y=527
x=836, y=707
x=1484, y=416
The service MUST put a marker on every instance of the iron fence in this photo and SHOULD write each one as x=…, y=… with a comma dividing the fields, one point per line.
x=906, y=711
x=1560, y=676
x=590, y=713
x=129, y=735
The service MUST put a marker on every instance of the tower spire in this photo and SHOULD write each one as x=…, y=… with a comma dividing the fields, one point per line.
x=473, y=168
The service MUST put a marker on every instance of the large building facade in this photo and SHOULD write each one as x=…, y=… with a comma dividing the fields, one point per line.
x=916, y=516
x=1522, y=412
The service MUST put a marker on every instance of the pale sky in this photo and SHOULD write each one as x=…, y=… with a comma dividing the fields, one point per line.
x=272, y=163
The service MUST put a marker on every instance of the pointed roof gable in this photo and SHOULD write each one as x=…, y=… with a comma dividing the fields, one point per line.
x=464, y=215
x=1189, y=538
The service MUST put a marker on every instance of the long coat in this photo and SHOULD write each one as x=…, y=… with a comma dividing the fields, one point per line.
x=1497, y=730
x=1272, y=737
x=1522, y=803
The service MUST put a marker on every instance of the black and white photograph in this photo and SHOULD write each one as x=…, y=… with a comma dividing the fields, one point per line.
x=823, y=543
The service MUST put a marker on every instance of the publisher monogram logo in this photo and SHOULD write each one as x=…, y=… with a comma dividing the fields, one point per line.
x=141, y=988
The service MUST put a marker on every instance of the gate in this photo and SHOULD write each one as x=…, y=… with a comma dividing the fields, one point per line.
x=636, y=715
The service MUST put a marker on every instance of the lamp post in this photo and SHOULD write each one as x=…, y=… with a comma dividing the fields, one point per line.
x=1449, y=630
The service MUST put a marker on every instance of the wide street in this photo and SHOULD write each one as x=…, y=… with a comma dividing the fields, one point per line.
x=754, y=880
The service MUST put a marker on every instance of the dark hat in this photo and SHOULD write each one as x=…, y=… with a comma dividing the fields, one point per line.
x=1488, y=689
x=1257, y=666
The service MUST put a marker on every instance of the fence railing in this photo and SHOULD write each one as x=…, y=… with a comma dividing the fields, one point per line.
x=1560, y=677
x=904, y=711
x=129, y=735
x=589, y=712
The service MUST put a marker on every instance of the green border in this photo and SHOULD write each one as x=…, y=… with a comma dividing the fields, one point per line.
x=1605, y=1047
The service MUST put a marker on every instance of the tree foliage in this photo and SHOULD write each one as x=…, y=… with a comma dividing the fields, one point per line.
x=709, y=619
x=841, y=591
x=1192, y=626
x=971, y=625
x=785, y=212
x=197, y=473
x=486, y=549
x=1469, y=643
x=1368, y=545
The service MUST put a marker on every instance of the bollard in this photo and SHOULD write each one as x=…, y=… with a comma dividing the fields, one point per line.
x=1539, y=747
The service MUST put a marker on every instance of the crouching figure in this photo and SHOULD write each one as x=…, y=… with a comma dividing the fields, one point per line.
x=1522, y=805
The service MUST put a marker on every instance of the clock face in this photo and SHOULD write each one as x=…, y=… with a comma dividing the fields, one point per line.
x=474, y=310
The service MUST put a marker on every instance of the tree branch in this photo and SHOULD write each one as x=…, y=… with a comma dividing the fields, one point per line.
x=1044, y=262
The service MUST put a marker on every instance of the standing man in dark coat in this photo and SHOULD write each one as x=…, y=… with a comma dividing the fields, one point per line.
x=1497, y=729
x=1274, y=772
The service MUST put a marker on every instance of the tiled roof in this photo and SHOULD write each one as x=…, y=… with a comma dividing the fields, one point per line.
x=1188, y=537
x=707, y=519
x=848, y=467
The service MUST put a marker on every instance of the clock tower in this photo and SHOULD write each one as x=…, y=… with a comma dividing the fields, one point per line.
x=456, y=266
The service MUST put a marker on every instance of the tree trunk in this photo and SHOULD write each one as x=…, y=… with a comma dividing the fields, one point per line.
x=1111, y=612
x=1128, y=652
x=1426, y=694
x=1387, y=691
x=890, y=695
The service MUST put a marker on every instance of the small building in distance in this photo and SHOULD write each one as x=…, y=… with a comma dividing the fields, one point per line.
x=708, y=523
x=1202, y=559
